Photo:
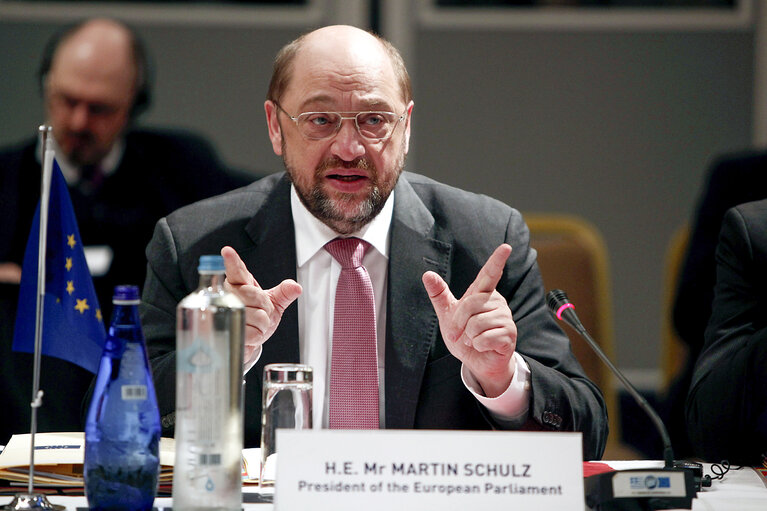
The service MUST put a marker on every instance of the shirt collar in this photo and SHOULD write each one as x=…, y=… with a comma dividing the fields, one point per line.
x=312, y=234
x=72, y=173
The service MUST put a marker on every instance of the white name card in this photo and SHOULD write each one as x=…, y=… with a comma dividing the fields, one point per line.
x=428, y=470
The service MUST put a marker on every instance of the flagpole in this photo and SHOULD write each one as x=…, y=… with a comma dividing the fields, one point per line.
x=31, y=500
x=45, y=192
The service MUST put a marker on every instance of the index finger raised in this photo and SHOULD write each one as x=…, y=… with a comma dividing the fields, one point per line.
x=236, y=272
x=490, y=274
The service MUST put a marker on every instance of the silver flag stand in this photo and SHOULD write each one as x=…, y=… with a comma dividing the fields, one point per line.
x=32, y=500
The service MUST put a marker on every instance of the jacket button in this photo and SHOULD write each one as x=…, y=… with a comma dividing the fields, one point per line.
x=552, y=419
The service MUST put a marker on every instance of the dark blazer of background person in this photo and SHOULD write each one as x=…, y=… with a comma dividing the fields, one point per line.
x=727, y=406
x=434, y=227
x=733, y=179
x=159, y=172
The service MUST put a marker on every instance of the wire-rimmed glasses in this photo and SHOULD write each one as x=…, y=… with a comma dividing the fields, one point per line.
x=376, y=126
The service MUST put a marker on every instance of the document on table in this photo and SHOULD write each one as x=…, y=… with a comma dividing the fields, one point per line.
x=59, y=459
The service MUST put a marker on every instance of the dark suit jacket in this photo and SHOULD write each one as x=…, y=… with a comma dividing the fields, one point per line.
x=159, y=172
x=727, y=405
x=434, y=227
x=733, y=179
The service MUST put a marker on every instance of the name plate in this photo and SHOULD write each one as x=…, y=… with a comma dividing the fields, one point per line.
x=440, y=470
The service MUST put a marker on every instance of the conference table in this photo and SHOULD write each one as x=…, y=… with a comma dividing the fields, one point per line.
x=742, y=489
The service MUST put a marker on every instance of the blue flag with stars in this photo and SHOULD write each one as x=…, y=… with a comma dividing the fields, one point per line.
x=73, y=328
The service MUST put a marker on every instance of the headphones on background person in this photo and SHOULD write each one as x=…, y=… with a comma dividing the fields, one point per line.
x=141, y=101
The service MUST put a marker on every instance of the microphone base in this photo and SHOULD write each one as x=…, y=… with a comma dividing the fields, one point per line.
x=640, y=490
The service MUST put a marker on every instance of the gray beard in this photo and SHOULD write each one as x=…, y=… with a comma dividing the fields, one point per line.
x=322, y=207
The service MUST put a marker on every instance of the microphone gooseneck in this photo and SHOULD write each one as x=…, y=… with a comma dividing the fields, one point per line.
x=560, y=306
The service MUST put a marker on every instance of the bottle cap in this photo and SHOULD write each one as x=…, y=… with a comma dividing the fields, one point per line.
x=125, y=295
x=211, y=264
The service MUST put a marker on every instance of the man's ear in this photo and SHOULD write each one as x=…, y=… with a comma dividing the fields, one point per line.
x=407, y=125
x=273, y=125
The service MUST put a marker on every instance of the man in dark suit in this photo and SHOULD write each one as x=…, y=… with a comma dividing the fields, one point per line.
x=733, y=179
x=727, y=404
x=94, y=80
x=444, y=362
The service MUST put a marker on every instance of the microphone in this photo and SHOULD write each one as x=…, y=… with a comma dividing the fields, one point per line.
x=560, y=306
x=674, y=486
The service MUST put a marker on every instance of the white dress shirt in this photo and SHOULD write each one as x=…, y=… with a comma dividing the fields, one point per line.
x=318, y=273
x=98, y=257
x=70, y=171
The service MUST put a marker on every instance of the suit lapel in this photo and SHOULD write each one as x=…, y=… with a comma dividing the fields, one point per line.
x=271, y=259
x=412, y=326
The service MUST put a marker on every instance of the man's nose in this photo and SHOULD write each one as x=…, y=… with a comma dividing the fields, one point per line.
x=347, y=143
x=78, y=117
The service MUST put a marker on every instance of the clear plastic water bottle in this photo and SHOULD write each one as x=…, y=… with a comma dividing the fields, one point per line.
x=122, y=431
x=210, y=339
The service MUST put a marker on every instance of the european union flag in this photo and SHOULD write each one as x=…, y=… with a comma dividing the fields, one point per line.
x=73, y=328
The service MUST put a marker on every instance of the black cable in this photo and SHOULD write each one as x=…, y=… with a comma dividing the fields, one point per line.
x=720, y=469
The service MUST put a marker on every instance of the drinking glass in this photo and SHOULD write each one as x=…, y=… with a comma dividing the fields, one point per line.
x=286, y=404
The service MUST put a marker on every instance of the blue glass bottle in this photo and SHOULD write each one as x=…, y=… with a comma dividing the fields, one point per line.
x=122, y=430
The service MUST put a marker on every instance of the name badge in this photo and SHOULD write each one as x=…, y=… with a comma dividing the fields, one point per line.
x=441, y=470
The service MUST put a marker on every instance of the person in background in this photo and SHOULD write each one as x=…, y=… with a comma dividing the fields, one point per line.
x=447, y=267
x=732, y=179
x=727, y=404
x=94, y=78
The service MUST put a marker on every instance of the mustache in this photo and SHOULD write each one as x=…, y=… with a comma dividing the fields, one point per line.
x=80, y=135
x=361, y=163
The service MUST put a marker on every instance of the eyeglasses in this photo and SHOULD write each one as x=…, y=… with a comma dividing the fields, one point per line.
x=375, y=126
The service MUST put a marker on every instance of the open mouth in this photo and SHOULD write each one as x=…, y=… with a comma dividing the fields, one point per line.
x=346, y=179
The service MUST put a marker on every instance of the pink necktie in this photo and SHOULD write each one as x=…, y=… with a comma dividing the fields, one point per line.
x=354, y=363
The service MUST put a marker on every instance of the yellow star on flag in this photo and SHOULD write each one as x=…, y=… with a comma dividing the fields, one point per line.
x=98, y=315
x=71, y=240
x=70, y=287
x=82, y=305
x=68, y=265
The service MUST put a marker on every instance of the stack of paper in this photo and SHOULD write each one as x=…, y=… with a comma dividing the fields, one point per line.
x=59, y=459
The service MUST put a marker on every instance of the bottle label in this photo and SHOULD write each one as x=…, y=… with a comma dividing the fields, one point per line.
x=210, y=459
x=134, y=392
x=199, y=358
